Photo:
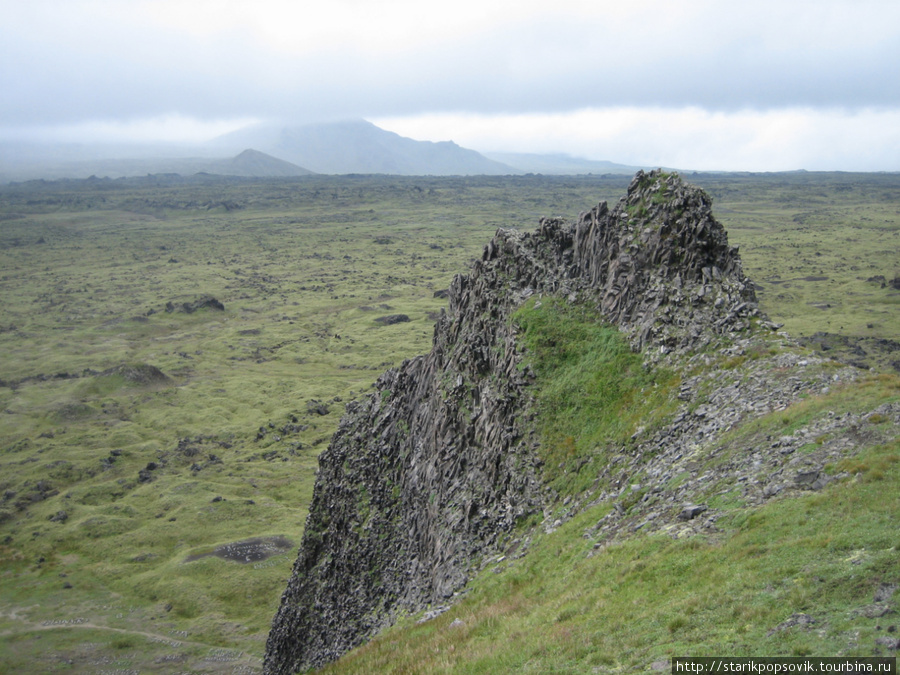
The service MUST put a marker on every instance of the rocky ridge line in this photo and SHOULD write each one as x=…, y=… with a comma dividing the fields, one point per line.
x=427, y=476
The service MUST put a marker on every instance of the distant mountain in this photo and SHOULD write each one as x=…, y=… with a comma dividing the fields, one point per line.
x=560, y=164
x=49, y=163
x=256, y=164
x=352, y=146
x=358, y=146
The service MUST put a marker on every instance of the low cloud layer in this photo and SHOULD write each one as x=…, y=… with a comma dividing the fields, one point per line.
x=710, y=83
x=691, y=138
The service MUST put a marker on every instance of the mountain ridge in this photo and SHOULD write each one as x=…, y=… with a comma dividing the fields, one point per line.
x=358, y=146
x=253, y=163
x=353, y=146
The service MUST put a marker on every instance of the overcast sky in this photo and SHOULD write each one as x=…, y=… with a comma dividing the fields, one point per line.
x=694, y=84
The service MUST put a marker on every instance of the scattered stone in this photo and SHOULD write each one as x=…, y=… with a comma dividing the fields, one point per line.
x=875, y=610
x=888, y=642
x=885, y=592
x=41, y=490
x=433, y=614
x=392, y=319
x=692, y=511
x=862, y=352
x=317, y=407
x=806, y=479
x=206, y=302
x=802, y=620
x=145, y=475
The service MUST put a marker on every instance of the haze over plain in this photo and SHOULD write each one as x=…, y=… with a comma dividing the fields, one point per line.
x=771, y=85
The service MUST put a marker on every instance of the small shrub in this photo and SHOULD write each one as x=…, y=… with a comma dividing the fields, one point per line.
x=124, y=642
x=676, y=624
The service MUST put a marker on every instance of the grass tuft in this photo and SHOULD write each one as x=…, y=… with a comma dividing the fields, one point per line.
x=593, y=390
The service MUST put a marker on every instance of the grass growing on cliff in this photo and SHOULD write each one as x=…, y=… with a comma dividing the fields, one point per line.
x=593, y=391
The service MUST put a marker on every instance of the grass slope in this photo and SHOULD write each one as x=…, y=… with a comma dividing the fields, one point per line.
x=797, y=576
x=567, y=608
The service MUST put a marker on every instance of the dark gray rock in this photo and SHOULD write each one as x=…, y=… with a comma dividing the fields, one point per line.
x=807, y=479
x=427, y=476
x=875, y=610
x=205, y=302
x=315, y=407
x=795, y=620
x=391, y=319
x=138, y=374
x=885, y=592
x=692, y=511
x=862, y=352
x=888, y=642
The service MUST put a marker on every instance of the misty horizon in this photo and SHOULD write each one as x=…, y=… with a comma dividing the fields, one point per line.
x=772, y=86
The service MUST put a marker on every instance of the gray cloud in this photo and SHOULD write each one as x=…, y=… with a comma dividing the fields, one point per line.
x=64, y=63
x=559, y=63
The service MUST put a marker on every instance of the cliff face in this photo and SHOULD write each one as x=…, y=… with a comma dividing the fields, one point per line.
x=430, y=473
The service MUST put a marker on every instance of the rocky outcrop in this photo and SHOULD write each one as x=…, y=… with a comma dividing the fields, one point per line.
x=138, y=374
x=430, y=473
x=206, y=302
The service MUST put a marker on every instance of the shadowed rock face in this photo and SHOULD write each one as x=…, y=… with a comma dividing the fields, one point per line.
x=427, y=475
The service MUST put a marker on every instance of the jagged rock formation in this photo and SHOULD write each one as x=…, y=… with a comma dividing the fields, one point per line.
x=431, y=472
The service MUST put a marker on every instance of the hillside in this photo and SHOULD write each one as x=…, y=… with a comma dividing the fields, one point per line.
x=606, y=387
x=253, y=163
x=358, y=146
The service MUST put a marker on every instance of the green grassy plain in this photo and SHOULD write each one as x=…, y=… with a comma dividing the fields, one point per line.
x=110, y=480
x=812, y=242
